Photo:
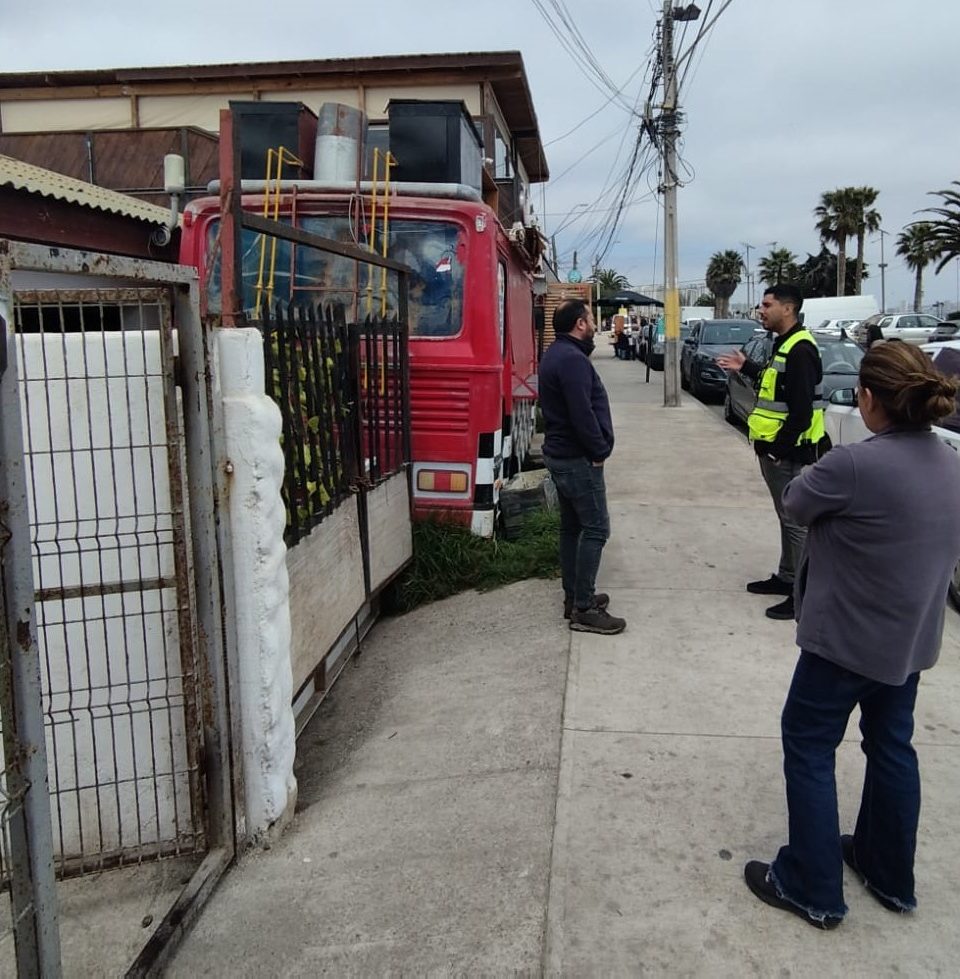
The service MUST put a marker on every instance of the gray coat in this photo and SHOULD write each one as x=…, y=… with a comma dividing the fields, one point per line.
x=883, y=541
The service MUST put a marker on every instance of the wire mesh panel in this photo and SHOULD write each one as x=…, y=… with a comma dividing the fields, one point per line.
x=103, y=442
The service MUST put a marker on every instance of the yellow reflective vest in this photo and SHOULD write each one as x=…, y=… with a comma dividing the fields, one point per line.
x=771, y=410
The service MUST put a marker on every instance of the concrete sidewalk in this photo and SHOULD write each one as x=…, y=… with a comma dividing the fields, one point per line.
x=488, y=793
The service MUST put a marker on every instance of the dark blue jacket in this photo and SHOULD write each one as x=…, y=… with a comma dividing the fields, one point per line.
x=573, y=400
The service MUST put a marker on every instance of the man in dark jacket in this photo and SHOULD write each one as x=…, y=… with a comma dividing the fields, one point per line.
x=578, y=438
x=786, y=426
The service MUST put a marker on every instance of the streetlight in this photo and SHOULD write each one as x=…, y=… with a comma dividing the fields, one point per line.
x=749, y=294
x=883, y=274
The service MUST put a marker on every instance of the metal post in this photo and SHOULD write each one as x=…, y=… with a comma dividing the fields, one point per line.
x=231, y=252
x=671, y=346
x=33, y=894
x=749, y=289
x=883, y=274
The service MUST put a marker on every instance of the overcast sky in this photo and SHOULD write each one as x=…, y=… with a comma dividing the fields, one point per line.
x=785, y=99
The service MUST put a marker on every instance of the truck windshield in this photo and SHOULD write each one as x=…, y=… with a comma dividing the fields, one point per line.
x=435, y=250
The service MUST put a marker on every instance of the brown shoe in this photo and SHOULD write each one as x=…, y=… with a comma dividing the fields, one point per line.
x=597, y=620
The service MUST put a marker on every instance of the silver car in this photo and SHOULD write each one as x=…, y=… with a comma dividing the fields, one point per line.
x=843, y=422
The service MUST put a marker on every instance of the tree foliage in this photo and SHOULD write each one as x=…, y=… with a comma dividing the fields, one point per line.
x=945, y=228
x=779, y=266
x=723, y=276
x=845, y=213
x=918, y=247
x=817, y=276
x=611, y=281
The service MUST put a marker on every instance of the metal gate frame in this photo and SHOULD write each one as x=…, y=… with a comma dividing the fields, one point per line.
x=31, y=858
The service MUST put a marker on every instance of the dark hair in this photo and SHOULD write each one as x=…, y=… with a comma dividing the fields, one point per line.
x=907, y=384
x=565, y=316
x=785, y=293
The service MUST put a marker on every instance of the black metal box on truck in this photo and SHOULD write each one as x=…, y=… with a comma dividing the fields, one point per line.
x=270, y=125
x=434, y=142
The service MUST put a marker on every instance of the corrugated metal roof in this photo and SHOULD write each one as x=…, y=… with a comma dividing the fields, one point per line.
x=36, y=180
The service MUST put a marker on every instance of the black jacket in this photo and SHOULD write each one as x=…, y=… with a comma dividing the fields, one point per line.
x=573, y=400
x=804, y=371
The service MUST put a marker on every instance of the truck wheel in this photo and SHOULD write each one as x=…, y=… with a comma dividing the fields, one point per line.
x=954, y=589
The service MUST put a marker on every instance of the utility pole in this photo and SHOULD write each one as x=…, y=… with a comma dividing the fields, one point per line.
x=671, y=346
x=883, y=274
x=749, y=248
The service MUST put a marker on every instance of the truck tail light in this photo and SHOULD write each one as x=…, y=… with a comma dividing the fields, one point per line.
x=442, y=481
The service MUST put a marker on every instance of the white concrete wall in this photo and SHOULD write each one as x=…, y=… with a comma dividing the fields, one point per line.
x=257, y=520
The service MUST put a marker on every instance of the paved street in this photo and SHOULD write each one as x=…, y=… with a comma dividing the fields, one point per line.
x=488, y=793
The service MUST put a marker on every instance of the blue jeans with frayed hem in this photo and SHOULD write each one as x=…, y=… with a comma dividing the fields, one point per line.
x=808, y=871
x=584, y=524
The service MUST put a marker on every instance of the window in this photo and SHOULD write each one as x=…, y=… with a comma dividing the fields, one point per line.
x=435, y=250
x=928, y=321
x=502, y=169
x=502, y=304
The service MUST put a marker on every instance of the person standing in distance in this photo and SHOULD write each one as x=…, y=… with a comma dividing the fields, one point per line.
x=578, y=439
x=785, y=426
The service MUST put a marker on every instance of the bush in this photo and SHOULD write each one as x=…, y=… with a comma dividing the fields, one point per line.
x=448, y=559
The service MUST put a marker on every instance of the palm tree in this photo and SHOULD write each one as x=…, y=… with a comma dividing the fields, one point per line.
x=723, y=277
x=610, y=281
x=918, y=247
x=868, y=222
x=836, y=216
x=946, y=229
x=779, y=266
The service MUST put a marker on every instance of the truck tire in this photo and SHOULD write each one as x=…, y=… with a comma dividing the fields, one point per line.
x=954, y=588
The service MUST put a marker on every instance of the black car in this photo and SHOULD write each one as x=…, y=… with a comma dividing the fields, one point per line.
x=654, y=350
x=699, y=371
x=841, y=364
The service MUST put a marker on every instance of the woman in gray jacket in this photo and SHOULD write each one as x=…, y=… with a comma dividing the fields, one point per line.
x=884, y=538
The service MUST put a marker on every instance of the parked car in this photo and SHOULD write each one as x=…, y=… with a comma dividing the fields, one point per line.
x=836, y=327
x=915, y=328
x=699, y=370
x=841, y=364
x=947, y=330
x=655, y=351
x=843, y=422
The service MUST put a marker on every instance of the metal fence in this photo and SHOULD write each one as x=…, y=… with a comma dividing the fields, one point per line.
x=342, y=394
x=103, y=439
x=113, y=676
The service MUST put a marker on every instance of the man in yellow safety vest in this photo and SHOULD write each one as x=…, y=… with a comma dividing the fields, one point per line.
x=786, y=425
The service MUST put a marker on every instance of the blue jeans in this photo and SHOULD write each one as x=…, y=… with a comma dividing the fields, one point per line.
x=584, y=524
x=809, y=870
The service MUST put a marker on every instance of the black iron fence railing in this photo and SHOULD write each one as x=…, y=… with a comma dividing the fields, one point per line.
x=342, y=393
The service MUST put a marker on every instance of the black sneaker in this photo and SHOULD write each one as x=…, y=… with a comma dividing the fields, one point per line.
x=597, y=620
x=755, y=874
x=849, y=858
x=782, y=610
x=600, y=600
x=774, y=585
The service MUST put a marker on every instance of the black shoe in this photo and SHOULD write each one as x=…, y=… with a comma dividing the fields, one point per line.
x=600, y=600
x=782, y=610
x=597, y=620
x=846, y=847
x=773, y=585
x=755, y=874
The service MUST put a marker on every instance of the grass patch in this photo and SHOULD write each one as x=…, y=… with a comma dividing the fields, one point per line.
x=448, y=559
